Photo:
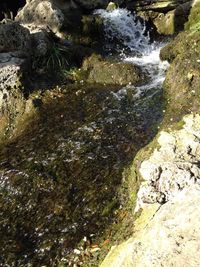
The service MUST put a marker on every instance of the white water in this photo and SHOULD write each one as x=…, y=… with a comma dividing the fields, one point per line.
x=122, y=25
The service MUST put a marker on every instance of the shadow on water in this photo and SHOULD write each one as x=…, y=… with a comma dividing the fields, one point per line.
x=60, y=175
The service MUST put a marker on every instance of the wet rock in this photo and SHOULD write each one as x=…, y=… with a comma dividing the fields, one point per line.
x=172, y=167
x=103, y=71
x=169, y=238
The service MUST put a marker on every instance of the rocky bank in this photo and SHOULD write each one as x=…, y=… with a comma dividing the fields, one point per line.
x=165, y=233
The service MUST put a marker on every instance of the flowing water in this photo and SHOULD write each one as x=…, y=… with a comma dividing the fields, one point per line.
x=60, y=175
x=135, y=47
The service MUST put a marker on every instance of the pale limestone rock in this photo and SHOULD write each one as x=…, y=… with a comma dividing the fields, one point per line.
x=172, y=167
x=150, y=170
x=170, y=239
x=42, y=14
x=111, y=6
x=166, y=138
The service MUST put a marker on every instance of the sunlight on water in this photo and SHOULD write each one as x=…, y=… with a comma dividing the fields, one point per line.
x=122, y=25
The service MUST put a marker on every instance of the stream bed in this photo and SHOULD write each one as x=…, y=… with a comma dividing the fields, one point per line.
x=60, y=175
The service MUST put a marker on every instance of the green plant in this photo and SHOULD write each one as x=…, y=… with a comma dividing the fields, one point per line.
x=55, y=60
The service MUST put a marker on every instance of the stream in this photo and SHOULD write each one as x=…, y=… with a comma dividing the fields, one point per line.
x=61, y=174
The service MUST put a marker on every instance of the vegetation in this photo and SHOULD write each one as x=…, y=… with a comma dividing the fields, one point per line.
x=56, y=59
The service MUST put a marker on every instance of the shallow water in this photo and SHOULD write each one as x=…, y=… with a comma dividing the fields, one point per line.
x=61, y=173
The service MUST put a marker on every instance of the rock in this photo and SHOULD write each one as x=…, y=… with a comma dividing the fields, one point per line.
x=174, y=166
x=15, y=47
x=194, y=17
x=41, y=39
x=14, y=37
x=183, y=53
x=103, y=71
x=12, y=101
x=154, y=5
x=92, y=4
x=41, y=13
x=170, y=238
x=169, y=19
x=111, y=6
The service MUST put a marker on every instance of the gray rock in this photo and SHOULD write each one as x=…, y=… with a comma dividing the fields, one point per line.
x=14, y=37
x=41, y=13
x=12, y=100
x=170, y=239
x=174, y=166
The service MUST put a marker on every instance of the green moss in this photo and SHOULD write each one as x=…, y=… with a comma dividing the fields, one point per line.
x=194, y=17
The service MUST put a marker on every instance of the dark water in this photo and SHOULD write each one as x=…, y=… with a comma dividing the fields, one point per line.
x=60, y=175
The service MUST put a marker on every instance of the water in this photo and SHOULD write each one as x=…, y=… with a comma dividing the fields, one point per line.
x=135, y=47
x=121, y=25
x=59, y=178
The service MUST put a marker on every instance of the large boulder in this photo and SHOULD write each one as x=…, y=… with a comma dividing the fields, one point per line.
x=194, y=17
x=103, y=71
x=12, y=100
x=182, y=83
x=172, y=167
x=170, y=238
x=14, y=37
x=41, y=13
x=15, y=47
x=173, y=21
x=167, y=17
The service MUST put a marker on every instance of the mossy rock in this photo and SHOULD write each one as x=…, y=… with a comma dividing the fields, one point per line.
x=105, y=71
x=194, y=17
x=182, y=83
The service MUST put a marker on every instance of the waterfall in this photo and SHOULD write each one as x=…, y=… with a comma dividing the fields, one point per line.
x=120, y=24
